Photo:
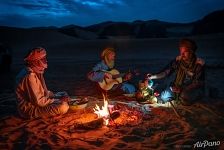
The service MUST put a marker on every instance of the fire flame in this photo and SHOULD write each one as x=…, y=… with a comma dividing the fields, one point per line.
x=103, y=112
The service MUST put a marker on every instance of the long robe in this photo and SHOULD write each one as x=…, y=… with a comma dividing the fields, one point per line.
x=34, y=100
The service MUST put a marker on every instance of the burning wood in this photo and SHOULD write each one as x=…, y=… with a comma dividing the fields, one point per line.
x=103, y=112
x=121, y=113
x=116, y=113
x=128, y=115
x=88, y=125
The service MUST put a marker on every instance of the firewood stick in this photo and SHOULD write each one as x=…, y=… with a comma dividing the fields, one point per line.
x=174, y=109
x=106, y=98
x=112, y=118
x=186, y=109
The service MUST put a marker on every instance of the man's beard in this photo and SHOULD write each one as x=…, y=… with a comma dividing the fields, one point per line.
x=189, y=59
x=38, y=66
x=185, y=59
x=110, y=64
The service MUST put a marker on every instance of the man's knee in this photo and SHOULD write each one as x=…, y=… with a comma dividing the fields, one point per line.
x=188, y=97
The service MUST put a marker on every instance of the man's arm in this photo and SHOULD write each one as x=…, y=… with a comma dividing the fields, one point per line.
x=169, y=69
x=97, y=74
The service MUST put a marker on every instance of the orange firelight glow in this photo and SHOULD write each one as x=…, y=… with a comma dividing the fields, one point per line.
x=103, y=112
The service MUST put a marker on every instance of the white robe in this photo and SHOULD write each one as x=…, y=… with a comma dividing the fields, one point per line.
x=34, y=100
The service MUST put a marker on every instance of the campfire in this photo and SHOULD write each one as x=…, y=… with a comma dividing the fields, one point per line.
x=103, y=112
x=118, y=113
x=113, y=113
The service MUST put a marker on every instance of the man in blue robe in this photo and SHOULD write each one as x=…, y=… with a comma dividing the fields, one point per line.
x=101, y=71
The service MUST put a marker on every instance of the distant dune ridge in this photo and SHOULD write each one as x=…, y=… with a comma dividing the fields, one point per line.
x=211, y=23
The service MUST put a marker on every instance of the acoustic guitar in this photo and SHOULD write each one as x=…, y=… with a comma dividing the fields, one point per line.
x=108, y=83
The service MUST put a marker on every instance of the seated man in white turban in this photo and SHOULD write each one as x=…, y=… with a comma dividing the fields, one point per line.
x=34, y=99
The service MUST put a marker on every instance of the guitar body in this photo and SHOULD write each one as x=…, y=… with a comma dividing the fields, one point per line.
x=107, y=83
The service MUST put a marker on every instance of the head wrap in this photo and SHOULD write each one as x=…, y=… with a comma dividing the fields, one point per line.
x=189, y=44
x=34, y=59
x=106, y=52
x=104, y=56
x=35, y=54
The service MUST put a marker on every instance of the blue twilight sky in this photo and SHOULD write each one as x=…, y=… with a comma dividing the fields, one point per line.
x=33, y=13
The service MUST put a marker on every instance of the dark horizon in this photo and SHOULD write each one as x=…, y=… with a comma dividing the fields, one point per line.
x=53, y=26
x=84, y=13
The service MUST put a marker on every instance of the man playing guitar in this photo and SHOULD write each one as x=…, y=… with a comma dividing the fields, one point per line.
x=109, y=78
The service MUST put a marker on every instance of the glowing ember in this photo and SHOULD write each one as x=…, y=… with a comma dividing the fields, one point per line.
x=103, y=112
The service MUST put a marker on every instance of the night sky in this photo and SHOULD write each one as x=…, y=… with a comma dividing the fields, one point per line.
x=33, y=13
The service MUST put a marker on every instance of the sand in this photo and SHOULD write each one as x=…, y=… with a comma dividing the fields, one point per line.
x=160, y=129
